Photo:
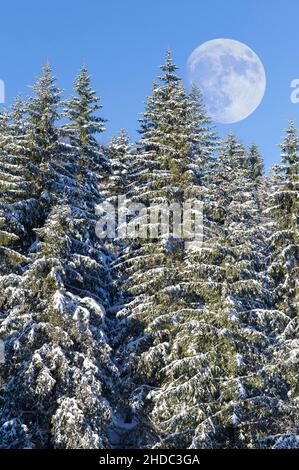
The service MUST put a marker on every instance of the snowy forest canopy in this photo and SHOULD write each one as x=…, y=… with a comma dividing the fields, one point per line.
x=144, y=343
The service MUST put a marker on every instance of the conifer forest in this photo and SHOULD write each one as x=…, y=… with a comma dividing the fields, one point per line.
x=143, y=342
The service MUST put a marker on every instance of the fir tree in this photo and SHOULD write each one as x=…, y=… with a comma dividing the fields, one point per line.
x=217, y=390
x=150, y=339
x=42, y=132
x=14, y=174
x=58, y=367
x=120, y=154
x=285, y=211
x=151, y=269
x=205, y=140
x=85, y=124
x=19, y=212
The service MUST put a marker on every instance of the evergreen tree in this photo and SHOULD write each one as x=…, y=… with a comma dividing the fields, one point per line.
x=58, y=367
x=205, y=140
x=85, y=124
x=14, y=175
x=151, y=339
x=150, y=271
x=255, y=163
x=285, y=211
x=217, y=390
x=19, y=212
x=42, y=132
x=120, y=156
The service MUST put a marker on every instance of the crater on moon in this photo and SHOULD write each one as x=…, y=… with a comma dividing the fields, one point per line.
x=231, y=77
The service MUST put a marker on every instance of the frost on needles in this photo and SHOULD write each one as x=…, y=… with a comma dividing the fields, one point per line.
x=144, y=343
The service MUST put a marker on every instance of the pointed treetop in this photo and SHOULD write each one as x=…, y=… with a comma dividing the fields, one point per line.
x=4, y=117
x=255, y=161
x=197, y=102
x=292, y=124
x=87, y=97
x=81, y=107
x=291, y=132
x=169, y=68
x=121, y=137
x=231, y=142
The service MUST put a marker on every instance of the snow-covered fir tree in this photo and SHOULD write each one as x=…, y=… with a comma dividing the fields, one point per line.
x=285, y=210
x=205, y=141
x=151, y=270
x=283, y=269
x=43, y=133
x=218, y=389
x=14, y=174
x=120, y=155
x=85, y=124
x=58, y=369
x=18, y=210
x=57, y=356
x=146, y=339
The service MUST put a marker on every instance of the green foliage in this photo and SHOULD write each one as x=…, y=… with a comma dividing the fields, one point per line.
x=144, y=342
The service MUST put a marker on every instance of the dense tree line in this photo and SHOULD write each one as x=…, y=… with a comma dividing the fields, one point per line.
x=144, y=342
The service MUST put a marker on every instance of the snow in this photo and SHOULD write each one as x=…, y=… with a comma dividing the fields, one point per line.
x=144, y=343
x=58, y=300
x=94, y=306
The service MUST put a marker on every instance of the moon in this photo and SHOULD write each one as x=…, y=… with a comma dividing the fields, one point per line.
x=231, y=78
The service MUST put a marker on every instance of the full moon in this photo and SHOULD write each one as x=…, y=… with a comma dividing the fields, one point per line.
x=231, y=78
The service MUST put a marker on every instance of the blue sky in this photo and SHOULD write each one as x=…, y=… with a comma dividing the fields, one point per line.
x=124, y=41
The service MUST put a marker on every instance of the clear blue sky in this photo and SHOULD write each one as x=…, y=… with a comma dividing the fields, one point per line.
x=124, y=41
